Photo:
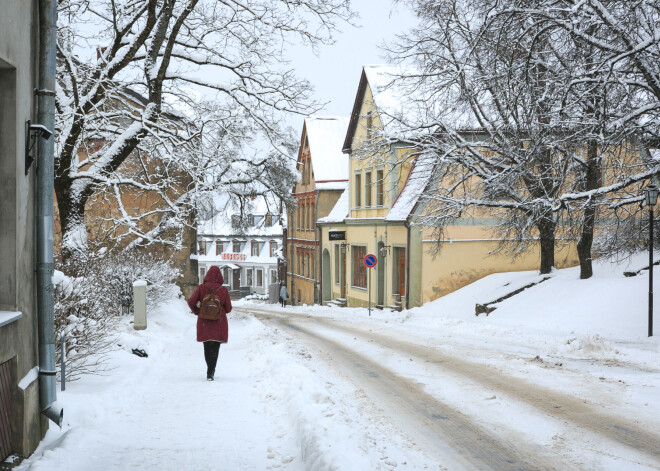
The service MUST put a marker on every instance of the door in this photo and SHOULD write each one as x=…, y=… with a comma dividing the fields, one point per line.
x=380, y=271
x=400, y=271
x=326, y=281
x=342, y=285
x=5, y=403
x=236, y=282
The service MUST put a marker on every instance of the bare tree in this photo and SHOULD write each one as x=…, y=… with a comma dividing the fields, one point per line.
x=519, y=117
x=128, y=116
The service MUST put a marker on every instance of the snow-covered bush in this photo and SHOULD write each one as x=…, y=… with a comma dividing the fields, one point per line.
x=89, y=305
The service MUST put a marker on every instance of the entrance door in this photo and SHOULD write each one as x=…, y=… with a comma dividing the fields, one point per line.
x=5, y=403
x=380, y=271
x=236, y=282
x=342, y=286
x=326, y=281
x=400, y=270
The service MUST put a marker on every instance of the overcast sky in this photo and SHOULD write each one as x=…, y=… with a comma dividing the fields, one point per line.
x=335, y=72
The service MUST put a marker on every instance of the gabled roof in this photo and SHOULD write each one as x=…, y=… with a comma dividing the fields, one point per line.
x=339, y=211
x=325, y=135
x=390, y=97
x=417, y=181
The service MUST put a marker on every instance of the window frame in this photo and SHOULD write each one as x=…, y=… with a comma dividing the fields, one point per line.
x=380, y=188
x=358, y=189
x=358, y=269
x=367, y=189
x=254, y=244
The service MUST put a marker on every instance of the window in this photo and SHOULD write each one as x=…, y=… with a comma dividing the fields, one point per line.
x=367, y=189
x=336, y=264
x=202, y=272
x=380, y=196
x=236, y=246
x=203, y=247
x=219, y=247
x=269, y=220
x=8, y=207
x=273, y=248
x=304, y=267
x=310, y=215
x=225, y=275
x=235, y=221
x=358, y=190
x=255, y=249
x=248, y=275
x=370, y=124
x=260, y=277
x=359, y=270
x=273, y=276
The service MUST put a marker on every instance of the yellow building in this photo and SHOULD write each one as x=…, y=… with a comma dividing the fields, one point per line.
x=376, y=215
x=323, y=168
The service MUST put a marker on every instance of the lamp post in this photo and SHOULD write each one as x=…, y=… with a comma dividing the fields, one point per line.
x=651, y=197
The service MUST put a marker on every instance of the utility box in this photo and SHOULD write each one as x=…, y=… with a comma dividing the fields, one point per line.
x=140, y=305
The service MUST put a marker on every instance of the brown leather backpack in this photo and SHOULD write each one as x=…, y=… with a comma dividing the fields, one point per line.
x=212, y=308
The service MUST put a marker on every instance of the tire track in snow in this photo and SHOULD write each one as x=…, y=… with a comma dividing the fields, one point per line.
x=554, y=404
x=457, y=441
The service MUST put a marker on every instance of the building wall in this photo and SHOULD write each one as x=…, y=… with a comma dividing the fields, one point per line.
x=19, y=48
x=369, y=235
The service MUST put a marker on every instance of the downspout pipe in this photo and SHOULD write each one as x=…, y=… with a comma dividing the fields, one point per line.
x=45, y=188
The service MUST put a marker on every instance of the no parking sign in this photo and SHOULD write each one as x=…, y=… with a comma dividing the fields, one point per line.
x=370, y=260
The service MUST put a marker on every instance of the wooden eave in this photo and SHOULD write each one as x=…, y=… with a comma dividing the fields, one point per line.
x=355, y=114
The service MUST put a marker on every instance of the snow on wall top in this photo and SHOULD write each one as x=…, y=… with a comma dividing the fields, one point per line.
x=326, y=136
x=418, y=178
x=339, y=211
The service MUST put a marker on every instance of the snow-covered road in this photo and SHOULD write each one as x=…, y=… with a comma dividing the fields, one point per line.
x=557, y=378
x=418, y=399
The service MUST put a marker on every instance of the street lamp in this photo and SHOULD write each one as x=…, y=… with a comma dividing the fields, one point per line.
x=651, y=197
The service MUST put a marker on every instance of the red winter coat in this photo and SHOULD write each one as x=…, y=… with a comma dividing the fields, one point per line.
x=211, y=330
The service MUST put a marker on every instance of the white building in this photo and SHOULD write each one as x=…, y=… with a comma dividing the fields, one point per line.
x=248, y=256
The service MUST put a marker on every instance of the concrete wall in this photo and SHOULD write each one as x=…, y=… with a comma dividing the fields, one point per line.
x=19, y=48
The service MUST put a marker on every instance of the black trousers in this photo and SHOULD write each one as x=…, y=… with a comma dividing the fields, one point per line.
x=211, y=350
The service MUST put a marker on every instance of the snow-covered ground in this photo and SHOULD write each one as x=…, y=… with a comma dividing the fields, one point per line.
x=279, y=402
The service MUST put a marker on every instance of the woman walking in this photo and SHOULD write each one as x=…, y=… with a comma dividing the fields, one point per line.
x=210, y=303
x=283, y=295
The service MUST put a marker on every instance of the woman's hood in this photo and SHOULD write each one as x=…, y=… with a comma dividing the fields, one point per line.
x=214, y=275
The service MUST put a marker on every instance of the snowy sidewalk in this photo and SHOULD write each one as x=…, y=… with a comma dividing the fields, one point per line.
x=161, y=413
x=273, y=406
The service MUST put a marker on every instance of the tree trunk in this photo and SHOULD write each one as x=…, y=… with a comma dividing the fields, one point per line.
x=587, y=234
x=546, y=229
x=71, y=206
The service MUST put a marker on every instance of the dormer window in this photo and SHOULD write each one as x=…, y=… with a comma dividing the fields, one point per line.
x=255, y=249
x=269, y=220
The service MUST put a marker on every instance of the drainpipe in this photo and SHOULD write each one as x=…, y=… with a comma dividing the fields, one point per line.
x=45, y=178
x=318, y=295
x=407, y=224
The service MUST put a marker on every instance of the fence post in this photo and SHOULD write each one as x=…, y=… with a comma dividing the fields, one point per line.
x=140, y=305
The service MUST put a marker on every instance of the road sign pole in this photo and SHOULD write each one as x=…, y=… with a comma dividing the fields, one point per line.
x=369, y=261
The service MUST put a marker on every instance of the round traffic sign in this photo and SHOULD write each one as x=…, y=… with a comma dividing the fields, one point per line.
x=370, y=260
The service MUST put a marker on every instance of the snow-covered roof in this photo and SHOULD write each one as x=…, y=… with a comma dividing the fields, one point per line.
x=339, y=211
x=325, y=136
x=418, y=178
x=220, y=224
x=332, y=185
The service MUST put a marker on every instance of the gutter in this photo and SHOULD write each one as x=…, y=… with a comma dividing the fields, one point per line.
x=45, y=190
